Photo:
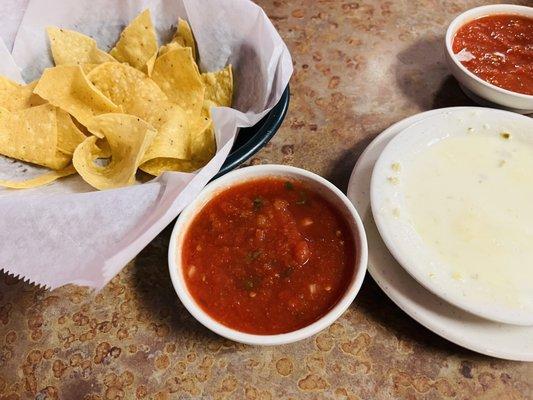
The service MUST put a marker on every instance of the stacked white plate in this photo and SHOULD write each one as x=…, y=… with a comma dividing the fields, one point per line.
x=446, y=197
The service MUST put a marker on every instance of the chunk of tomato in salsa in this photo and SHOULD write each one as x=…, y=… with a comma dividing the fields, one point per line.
x=268, y=256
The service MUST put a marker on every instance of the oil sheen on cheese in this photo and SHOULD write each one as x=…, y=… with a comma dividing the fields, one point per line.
x=470, y=198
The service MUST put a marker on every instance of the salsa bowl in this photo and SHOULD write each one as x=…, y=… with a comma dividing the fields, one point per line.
x=478, y=89
x=317, y=184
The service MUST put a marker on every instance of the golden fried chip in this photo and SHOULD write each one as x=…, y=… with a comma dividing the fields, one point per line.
x=68, y=134
x=168, y=47
x=88, y=67
x=14, y=96
x=137, y=45
x=68, y=88
x=129, y=88
x=183, y=37
x=165, y=155
x=128, y=139
x=202, y=147
x=157, y=166
x=141, y=96
x=103, y=145
x=34, y=98
x=40, y=180
x=31, y=135
x=203, y=144
x=177, y=75
x=173, y=139
x=70, y=47
x=175, y=132
x=219, y=86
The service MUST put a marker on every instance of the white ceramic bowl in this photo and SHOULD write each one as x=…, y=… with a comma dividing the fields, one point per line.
x=315, y=182
x=395, y=221
x=474, y=86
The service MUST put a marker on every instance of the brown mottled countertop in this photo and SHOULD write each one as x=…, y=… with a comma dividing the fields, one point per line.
x=359, y=67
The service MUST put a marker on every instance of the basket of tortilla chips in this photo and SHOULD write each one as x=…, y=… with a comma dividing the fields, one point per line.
x=111, y=95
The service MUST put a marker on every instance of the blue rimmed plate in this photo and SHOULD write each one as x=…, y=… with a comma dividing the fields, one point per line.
x=250, y=140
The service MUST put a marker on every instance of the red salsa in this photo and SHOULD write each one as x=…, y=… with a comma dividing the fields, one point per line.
x=502, y=50
x=268, y=256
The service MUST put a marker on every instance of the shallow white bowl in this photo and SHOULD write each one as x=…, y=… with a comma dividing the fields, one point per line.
x=511, y=342
x=315, y=182
x=474, y=86
x=399, y=233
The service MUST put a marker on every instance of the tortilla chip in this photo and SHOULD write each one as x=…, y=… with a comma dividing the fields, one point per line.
x=14, y=96
x=68, y=134
x=34, y=98
x=88, y=67
x=70, y=47
x=68, y=88
x=137, y=45
x=177, y=75
x=129, y=88
x=40, y=180
x=173, y=139
x=128, y=139
x=203, y=143
x=31, y=135
x=183, y=37
x=141, y=96
x=219, y=86
x=157, y=166
x=202, y=147
x=167, y=154
x=103, y=145
x=168, y=47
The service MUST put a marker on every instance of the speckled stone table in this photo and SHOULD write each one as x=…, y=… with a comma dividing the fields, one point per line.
x=359, y=67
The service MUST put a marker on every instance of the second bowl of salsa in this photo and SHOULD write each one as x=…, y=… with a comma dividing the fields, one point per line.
x=268, y=255
x=488, y=50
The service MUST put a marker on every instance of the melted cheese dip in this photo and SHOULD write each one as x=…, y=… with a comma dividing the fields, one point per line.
x=470, y=198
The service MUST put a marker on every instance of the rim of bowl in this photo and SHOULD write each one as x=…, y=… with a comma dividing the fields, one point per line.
x=243, y=175
x=458, y=22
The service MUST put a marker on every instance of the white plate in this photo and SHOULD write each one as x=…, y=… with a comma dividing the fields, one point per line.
x=476, y=253
x=483, y=336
